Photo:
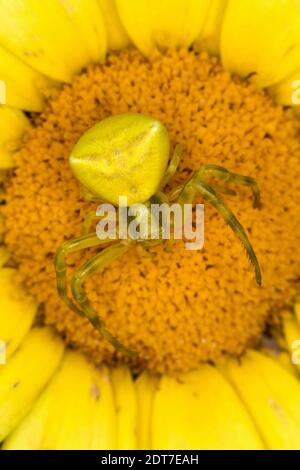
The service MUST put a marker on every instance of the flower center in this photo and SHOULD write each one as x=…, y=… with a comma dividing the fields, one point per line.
x=176, y=308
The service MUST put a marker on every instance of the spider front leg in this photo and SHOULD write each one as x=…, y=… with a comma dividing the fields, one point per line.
x=222, y=173
x=88, y=221
x=97, y=264
x=196, y=184
x=174, y=193
x=229, y=177
x=173, y=165
x=92, y=216
x=76, y=244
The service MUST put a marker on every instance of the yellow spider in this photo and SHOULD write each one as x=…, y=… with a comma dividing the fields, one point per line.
x=127, y=156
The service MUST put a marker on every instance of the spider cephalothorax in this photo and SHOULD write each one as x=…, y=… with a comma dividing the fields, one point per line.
x=126, y=156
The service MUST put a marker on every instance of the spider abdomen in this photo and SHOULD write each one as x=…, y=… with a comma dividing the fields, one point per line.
x=124, y=155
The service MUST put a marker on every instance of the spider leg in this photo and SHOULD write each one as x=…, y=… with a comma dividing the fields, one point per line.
x=223, y=189
x=196, y=184
x=97, y=264
x=88, y=221
x=146, y=245
x=229, y=177
x=172, y=168
x=143, y=251
x=174, y=193
x=79, y=243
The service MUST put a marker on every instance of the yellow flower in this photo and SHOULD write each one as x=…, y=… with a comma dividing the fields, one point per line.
x=52, y=397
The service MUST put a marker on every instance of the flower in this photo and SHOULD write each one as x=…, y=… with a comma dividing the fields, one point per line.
x=52, y=397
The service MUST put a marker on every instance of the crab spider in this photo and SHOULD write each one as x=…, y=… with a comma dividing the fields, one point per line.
x=127, y=155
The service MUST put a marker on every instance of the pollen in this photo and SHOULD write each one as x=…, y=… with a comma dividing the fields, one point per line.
x=174, y=308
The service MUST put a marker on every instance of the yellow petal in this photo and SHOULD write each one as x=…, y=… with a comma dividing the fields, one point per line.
x=87, y=18
x=162, y=23
x=117, y=38
x=271, y=395
x=292, y=334
x=283, y=358
x=287, y=92
x=44, y=35
x=13, y=124
x=17, y=311
x=76, y=411
x=146, y=385
x=24, y=86
x=210, y=37
x=261, y=37
x=83, y=388
x=25, y=375
x=200, y=410
x=126, y=407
